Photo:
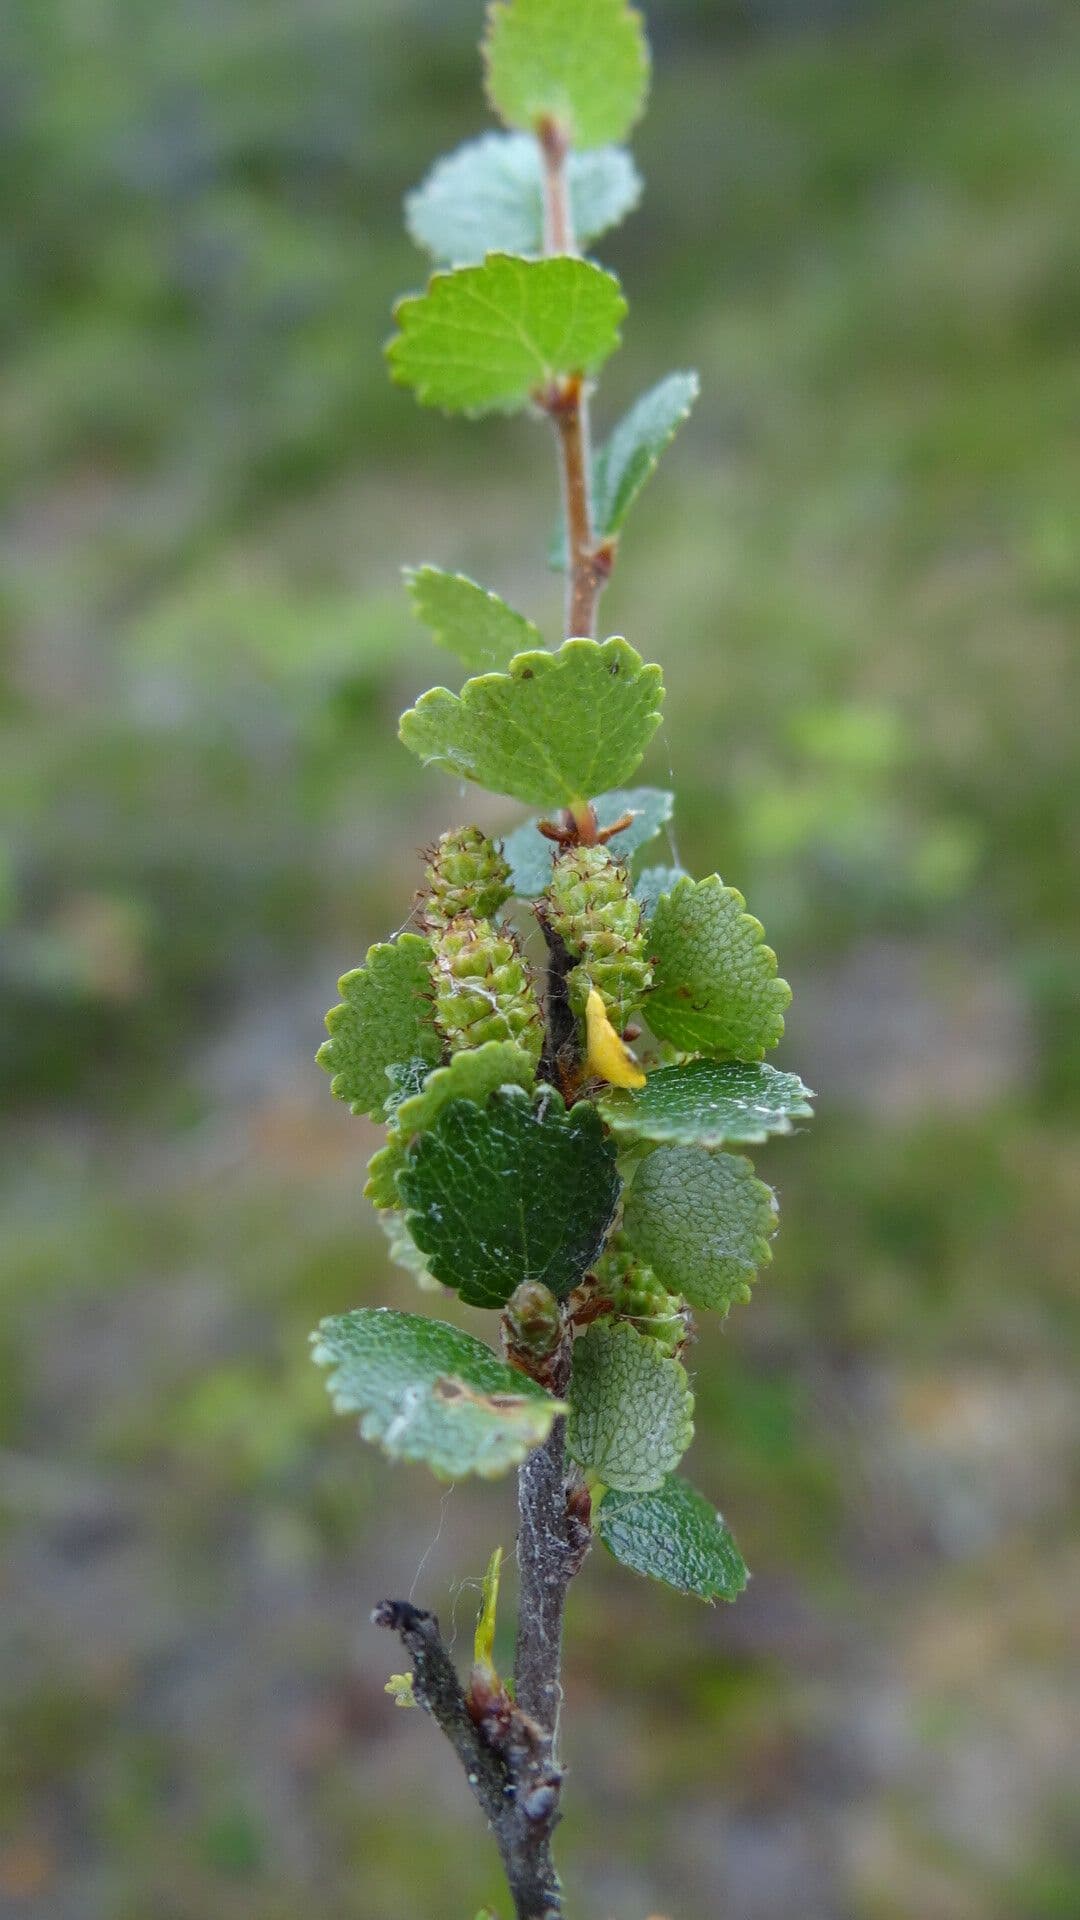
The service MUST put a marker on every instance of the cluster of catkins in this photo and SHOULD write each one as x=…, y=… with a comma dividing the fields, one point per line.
x=484, y=989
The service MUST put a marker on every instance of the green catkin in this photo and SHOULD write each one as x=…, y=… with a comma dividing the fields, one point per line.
x=483, y=987
x=636, y=1294
x=465, y=873
x=592, y=909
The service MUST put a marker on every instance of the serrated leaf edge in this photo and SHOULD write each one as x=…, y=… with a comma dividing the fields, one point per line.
x=422, y=389
x=528, y=665
x=750, y=921
x=343, y=1404
x=337, y=1014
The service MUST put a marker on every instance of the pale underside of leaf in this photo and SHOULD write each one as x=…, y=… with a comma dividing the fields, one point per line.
x=553, y=731
x=652, y=882
x=427, y=1392
x=486, y=338
x=702, y=1221
x=631, y=1408
x=708, y=1103
x=404, y=1252
x=674, y=1535
x=715, y=985
x=530, y=854
x=468, y=620
x=488, y=197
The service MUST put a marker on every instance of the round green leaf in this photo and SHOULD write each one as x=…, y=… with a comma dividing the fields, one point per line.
x=581, y=63
x=530, y=854
x=488, y=197
x=384, y=1022
x=702, y=1222
x=631, y=1408
x=715, y=988
x=472, y=1074
x=708, y=1102
x=428, y=1392
x=485, y=339
x=480, y=628
x=514, y=1190
x=555, y=729
x=675, y=1535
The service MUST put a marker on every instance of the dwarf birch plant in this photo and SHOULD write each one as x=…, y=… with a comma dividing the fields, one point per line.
x=558, y=1136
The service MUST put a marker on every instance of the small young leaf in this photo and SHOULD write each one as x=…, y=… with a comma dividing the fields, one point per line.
x=384, y=1022
x=556, y=729
x=476, y=625
x=516, y=1190
x=626, y=461
x=675, y=1535
x=702, y=1222
x=484, y=339
x=652, y=882
x=715, y=988
x=471, y=1075
x=708, y=1102
x=631, y=1408
x=484, y=1637
x=621, y=467
x=530, y=854
x=488, y=197
x=582, y=63
x=428, y=1392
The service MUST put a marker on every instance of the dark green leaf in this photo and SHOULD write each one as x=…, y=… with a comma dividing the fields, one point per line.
x=515, y=1190
x=471, y=1075
x=708, y=1102
x=673, y=1534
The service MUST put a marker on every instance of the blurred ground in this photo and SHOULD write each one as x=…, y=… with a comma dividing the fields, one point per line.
x=861, y=570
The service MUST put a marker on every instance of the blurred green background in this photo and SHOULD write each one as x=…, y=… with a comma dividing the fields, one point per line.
x=860, y=567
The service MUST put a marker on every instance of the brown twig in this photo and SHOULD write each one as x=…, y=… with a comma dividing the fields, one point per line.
x=588, y=563
x=508, y=1758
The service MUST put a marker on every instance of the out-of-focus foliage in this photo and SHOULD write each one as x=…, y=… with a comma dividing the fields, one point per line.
x=860, y=566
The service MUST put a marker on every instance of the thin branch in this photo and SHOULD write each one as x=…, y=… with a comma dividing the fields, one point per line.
x=588, y=564
x=562, y=1051
x=508, y=1759
x=553, y=1539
